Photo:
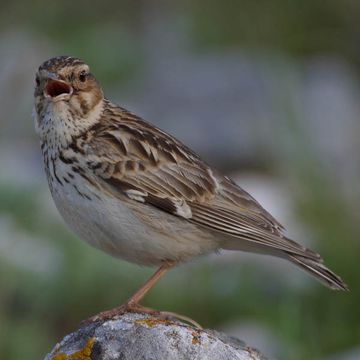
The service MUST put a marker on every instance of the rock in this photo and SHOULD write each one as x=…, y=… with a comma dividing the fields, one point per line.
x=140, y=336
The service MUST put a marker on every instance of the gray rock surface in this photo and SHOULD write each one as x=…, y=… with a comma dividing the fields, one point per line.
x=139, y=336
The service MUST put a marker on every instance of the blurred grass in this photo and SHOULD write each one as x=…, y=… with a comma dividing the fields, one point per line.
x=299, y=28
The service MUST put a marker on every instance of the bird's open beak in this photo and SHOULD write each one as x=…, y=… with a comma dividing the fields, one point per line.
x=56, y=89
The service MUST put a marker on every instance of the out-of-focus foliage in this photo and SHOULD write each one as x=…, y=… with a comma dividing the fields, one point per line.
x=298, y=27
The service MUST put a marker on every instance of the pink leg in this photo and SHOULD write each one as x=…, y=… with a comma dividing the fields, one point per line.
x=132, y=304
x=158, y=274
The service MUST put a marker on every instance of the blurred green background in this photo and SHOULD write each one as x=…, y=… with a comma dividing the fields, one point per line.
x=266, y=91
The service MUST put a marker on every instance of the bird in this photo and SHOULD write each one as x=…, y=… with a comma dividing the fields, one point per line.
x=137, y=193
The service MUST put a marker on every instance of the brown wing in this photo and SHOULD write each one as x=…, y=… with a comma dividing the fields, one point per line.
x=150, y=166
x=127, y=150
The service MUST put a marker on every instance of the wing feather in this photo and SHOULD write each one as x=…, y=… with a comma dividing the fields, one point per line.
x=137, y=158
x=240, y=226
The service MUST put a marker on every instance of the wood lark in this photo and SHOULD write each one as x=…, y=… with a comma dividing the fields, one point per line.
x=137, y=193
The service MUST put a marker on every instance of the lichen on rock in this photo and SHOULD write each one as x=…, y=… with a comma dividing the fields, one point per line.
x=140, y=336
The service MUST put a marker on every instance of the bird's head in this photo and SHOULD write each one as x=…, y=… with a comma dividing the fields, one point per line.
x=65, y=85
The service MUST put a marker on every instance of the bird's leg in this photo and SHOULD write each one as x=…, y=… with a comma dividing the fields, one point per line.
x=132, y=304
x=140, y=294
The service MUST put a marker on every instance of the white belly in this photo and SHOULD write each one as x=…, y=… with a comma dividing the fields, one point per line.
x=126, y=229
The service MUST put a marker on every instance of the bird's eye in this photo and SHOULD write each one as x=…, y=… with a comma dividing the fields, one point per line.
x=37, y=80
x=82, y=76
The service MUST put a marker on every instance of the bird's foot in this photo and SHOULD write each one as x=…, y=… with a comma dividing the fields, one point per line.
x=137, y=308
x=170, y=314
x=121, y=310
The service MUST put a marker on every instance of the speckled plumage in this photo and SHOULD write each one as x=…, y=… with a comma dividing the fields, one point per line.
x=136, y=192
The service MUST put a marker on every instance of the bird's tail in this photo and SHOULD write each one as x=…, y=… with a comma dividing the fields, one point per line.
x=319, y=271
x=306, y=259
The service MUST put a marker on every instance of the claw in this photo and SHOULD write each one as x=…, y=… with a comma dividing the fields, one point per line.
x=137, y=308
